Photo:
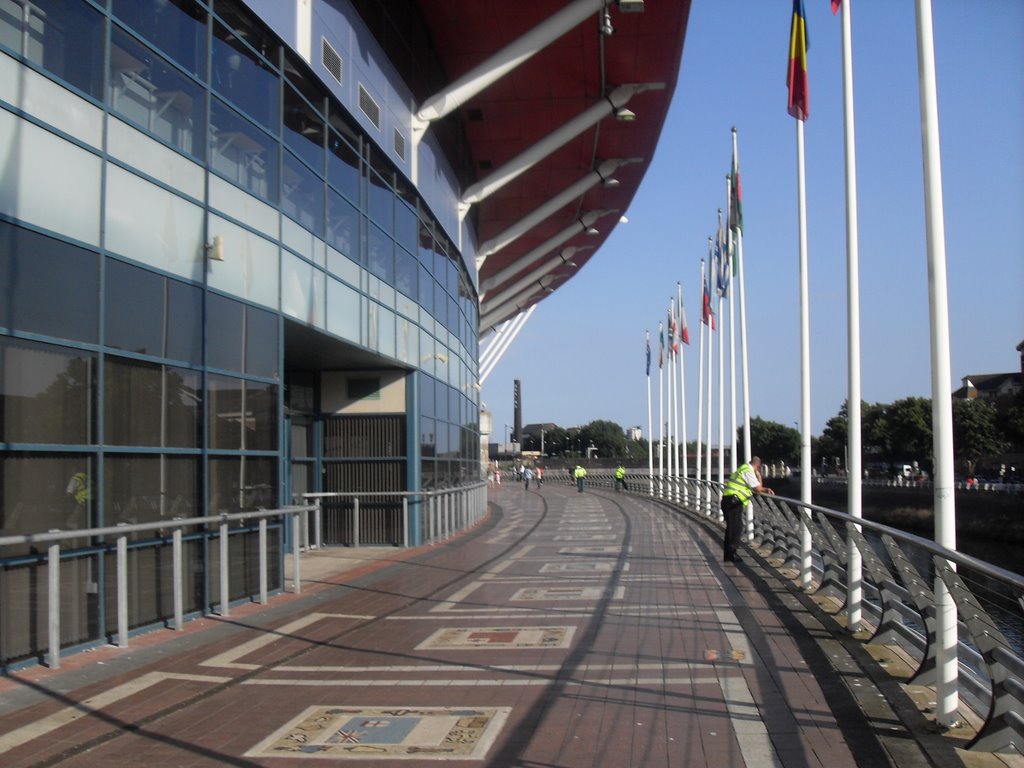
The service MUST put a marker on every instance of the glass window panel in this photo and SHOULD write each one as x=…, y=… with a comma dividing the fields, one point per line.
x=224, y=334
x=145, y=89
x=406, y=271
x=48, y=393
x=134, y=312
x=261, y=343
x=441, y=400
x=184, y=322
x=342, y=311
x=302, y=432
x=303, y=130
x=64, y=38
x=184, y=408
x=342, y=225
x=132, y=403
x=41, y=491
x=244, y=78
x=453, y=315
x=343, y=167
x=382, y=203
x=243, y=153
x=406, y=225
x=296, y=72
x=440, y=304
x=382, y=255
x=302, y=194
x=242, y=483
x=260, y=423
x=50, y=287
x=426, y=395
x=386, y=332
x=426, y=290
x=426, y=245
x=149, y=488
x=177, y=27
x=428, y=437
x=224, y=395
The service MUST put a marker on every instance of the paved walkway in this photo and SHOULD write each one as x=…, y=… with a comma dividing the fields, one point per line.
x=567, y=630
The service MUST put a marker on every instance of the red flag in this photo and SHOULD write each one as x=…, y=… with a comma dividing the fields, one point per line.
x=708, y=317
x=835, y=6
x=684, y=332
x=796, y=75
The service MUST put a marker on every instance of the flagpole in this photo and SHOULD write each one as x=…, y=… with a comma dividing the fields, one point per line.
x=672, y=396
x=742, y=297
x=700, y=389
x=682, y=330
x=805, y=359
x=669, y=407
x=732, y=346
x=854, y=475
x=650, y=433
x=947, y=696
x=711, y=375
x=661, y=411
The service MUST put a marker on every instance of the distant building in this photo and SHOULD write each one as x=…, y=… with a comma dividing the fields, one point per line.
x=634, y=433
x=992, y=387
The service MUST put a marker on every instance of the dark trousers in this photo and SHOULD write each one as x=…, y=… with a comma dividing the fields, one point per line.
x=579, y=484
x=620, y=481
x=732, y=509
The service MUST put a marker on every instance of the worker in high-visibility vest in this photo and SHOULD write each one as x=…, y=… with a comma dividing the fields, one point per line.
x=620, y=478
x=739, y=490
x=579, y=473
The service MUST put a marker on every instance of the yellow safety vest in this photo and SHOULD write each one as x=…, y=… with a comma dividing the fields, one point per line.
x=735, y=486
x=580, y=472
x=620, y=473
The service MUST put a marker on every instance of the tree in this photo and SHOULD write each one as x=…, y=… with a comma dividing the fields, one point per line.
x=975, y=433
x=910, y=430
x=606, y=436
x=771, y=441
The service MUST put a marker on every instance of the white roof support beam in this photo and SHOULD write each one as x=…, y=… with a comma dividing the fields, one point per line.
x=539, y=214
x=582, y=224
x=489, y=347
x=510, y=332
x=557, y=138
x=563, y=257
x=508, y=58
x=512, y=307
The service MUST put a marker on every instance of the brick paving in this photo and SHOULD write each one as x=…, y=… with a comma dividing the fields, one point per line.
x=567, y=630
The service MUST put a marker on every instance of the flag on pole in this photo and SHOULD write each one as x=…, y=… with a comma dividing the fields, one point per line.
x=707, y=315
x=673, y=345
x=796, y=75
x=648, y=333
x=835, y=6
x=722, y=270
x=735, y=196
x=661, y=344
x=684, y=332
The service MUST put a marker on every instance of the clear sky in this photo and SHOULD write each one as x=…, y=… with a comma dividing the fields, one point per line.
x=581, y=355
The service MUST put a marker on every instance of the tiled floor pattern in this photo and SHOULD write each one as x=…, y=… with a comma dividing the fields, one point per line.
x=536, y=643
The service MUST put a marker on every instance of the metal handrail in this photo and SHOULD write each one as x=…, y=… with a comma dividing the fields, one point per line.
x=120, y=532
x=898, y=598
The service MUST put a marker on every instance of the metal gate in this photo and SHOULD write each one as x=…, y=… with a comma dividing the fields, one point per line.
x=364, y=454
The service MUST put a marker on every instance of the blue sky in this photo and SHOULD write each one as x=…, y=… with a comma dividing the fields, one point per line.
x=581, y=355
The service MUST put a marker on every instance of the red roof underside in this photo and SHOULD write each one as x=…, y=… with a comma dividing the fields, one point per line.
x=553, y=86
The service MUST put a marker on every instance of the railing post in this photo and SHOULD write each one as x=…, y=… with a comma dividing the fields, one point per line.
x=431, y=523
x=318, y=522
x=405, y=522
x=305, y=529
x=296, y=563
x=225, y=589
x=263, y=561
x=355, y=522
x=176, y=553
x=122, y=591
x=53, y=609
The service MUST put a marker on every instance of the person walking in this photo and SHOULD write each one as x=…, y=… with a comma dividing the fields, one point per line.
x=579, y=473
x=527, y=477
x=739, y=490
x=620, y=478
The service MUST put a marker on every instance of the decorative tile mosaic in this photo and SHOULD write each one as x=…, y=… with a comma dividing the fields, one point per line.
x=582, y=566
x=498, y=638
x=386, y=733
x=565, y=593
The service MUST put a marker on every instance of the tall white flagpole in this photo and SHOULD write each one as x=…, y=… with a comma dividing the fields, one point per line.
x=947, y=696
x=700, y=389
x=674, y=396
x=805, y=358
x=747, y=451
x=650, y=433
x=669, y=385
x=854, y=475
x=732, y=338
x=685, y=471
x=711, y=377
x=661, y=413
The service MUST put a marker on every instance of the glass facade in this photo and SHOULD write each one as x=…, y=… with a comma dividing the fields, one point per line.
x=149, y=376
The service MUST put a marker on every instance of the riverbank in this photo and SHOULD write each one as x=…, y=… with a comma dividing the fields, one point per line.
x=979, y=514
